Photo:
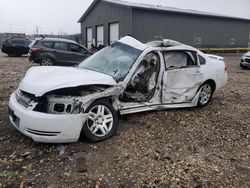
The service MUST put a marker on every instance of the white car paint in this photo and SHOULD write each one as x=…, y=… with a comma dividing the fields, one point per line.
x=40, y=80
x=181, y=88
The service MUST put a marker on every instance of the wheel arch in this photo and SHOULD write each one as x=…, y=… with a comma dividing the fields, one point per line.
x=85, y=135
x=48, y=55
x=211, y=81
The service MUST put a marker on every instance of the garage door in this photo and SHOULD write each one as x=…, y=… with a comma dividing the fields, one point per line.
x=89, y=37
x=113, y=32
x=100, y=34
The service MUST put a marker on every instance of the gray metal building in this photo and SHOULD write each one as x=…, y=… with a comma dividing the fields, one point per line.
x=108, y=20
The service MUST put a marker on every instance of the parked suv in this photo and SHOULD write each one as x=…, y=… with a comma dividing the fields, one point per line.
x=245, y=60
x=16, y=46
x=55, y=51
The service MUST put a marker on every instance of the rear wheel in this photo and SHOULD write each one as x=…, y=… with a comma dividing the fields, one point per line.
x=11, y=55
x=47, y=61
x=205, y=94
x=102, y=122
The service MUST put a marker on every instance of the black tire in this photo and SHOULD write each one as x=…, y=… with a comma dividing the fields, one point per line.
x=19, y=55
x=206, y=94
x=11, y=55
x=97, y=122
x=243, y=67
x=47, y=61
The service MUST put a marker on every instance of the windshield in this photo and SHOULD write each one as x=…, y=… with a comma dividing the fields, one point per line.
x=114, y=60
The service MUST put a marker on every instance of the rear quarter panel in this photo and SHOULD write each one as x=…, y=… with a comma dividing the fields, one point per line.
x=215, y=70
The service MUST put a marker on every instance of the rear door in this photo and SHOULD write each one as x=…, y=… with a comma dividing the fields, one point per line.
x=182, y=77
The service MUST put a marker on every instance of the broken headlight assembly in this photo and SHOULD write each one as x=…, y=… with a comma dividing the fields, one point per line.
x=64, y=105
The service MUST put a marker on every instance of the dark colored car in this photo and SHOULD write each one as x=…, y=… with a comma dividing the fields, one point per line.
x=245, y=60
x=16, y=46
x=55, y=51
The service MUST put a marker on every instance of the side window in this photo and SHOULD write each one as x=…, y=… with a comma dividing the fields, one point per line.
x=16, y=41
x=202, y=60
x=12, y=41
x=61, y=46
x=48, y=44
x=179, y=59
x=84, y=50
x=74, y=48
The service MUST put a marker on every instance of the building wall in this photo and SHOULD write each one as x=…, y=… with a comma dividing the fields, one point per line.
x=191, y=29
x=105, y=13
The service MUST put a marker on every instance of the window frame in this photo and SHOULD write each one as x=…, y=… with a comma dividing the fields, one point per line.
x=67, y=50
x=194, y=53
x=199, y=57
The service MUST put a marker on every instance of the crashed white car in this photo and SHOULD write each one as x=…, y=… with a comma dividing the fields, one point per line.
x=63, y=104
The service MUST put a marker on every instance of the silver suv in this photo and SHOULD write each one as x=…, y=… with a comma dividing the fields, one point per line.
x=56, y=51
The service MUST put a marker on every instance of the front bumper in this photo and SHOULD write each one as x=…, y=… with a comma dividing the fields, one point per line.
x=43, y=127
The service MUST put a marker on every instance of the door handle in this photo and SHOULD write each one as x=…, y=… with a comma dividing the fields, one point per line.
x=197, y=72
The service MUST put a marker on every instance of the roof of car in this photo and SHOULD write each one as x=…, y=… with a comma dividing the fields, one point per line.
x=56, y=40
x=164, y=43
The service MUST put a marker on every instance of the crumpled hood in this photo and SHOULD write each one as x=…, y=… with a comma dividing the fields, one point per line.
x=40, y=80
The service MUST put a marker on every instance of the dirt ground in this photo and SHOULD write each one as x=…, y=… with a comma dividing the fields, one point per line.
x=205, y=147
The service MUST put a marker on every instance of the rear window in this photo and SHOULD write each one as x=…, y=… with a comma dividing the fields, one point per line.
x=17, y=41
x=48, y=44
x=202, y=60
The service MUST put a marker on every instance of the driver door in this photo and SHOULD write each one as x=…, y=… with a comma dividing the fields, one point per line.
x=182, y=77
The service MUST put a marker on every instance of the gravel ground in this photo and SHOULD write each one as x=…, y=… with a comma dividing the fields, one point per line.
x=207, y=147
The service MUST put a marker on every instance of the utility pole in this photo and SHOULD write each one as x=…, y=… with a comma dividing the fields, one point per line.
x=37, y=30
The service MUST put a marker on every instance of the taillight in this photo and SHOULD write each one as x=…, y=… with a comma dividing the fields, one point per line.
x=35, y=49
x=225, y=67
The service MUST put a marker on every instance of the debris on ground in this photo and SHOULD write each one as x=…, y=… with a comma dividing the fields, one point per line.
x=191, y=147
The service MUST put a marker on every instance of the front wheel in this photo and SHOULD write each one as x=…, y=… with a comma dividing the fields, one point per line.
x=205, y=94
x=102, y=122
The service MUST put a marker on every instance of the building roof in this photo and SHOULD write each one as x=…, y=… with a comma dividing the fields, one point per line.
x=157, y=8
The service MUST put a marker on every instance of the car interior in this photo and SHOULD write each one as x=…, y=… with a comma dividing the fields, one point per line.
x=142, y=86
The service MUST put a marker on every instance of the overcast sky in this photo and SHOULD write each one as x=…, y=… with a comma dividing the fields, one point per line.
x=61, y=16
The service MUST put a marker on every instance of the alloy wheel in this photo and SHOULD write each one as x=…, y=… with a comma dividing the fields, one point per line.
x=100, y=120
x=205, y=94
x=46, y=62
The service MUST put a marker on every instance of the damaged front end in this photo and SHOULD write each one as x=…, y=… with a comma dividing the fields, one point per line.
x=57, y=116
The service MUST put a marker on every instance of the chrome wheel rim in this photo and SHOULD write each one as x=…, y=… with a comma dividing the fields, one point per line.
x=205, y=94
x=46, y=62
x=100, y=120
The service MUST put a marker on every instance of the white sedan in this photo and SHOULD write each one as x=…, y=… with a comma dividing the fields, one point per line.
x=63, y=104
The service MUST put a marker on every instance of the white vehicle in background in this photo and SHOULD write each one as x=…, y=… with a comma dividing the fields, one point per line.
x=63, y=104
x=245, y=61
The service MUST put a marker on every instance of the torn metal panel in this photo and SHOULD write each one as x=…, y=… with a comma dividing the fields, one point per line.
x=180, y=85
x=77, y=104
